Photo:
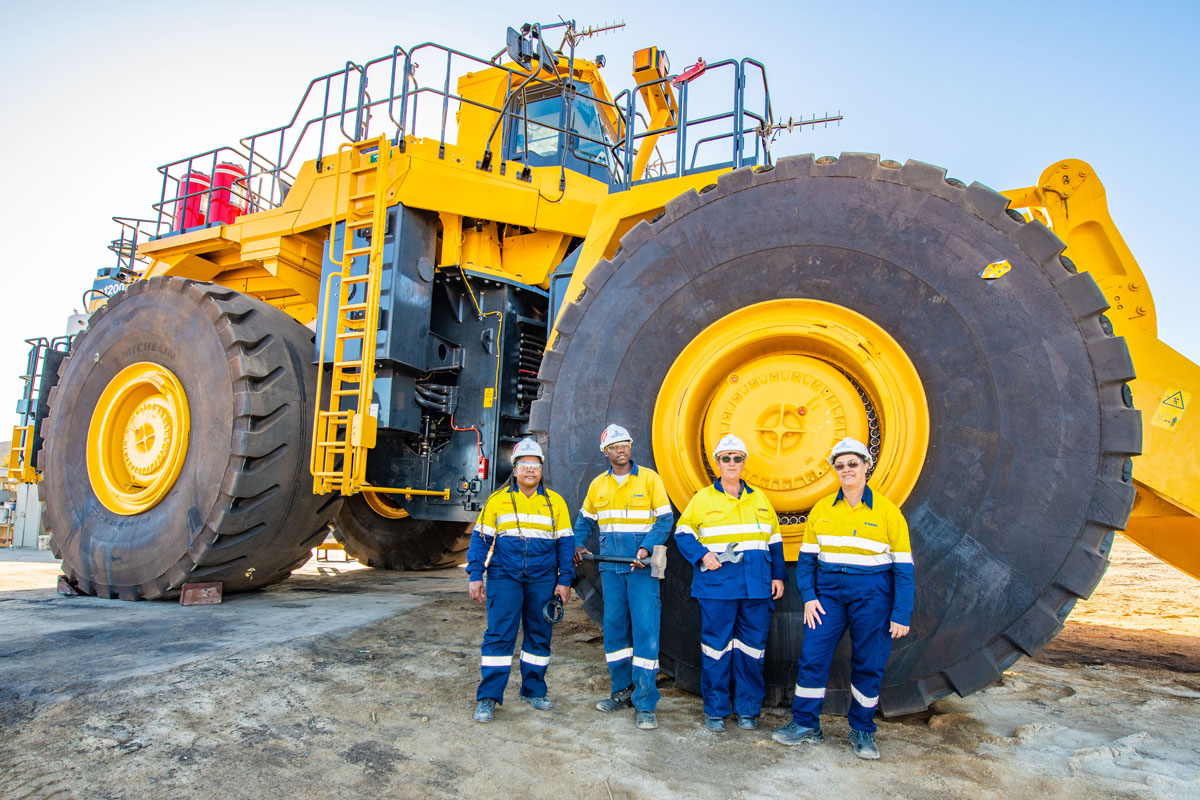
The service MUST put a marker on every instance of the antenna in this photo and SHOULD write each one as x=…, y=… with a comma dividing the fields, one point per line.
x=573, y=37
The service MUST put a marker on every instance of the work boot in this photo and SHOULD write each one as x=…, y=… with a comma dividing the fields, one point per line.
x=792, y=734
x=540, y=703
x=646, y=720
x=863, y=743
x=618, y=700
x=485, y=710
x=747, y=723
x=714, y=724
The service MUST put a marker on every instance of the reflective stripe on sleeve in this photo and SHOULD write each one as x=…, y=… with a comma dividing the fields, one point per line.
x=662, y=510
x=902, y=558
x=485, y=530
x=685, y=529
x=863, y=700
x=776, y=538
x=561, y=532
x=809, y=547
x=812, y=693
x=753, y=652
x=495, y=661
x=714, y=653
x=619, y=655
x=857, y=542
x=855, y=559
x=587, y=514
x=537, y=661
x=645, y=663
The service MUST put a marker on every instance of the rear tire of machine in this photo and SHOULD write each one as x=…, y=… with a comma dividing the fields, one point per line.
x=242, y=510
x=403, y=544
x=1029, y=433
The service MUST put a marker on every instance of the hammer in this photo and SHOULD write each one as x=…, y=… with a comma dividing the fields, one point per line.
x=729, y=555
x=657, y=560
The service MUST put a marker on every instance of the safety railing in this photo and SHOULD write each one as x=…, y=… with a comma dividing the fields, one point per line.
x=219, y=185
x=733, y=123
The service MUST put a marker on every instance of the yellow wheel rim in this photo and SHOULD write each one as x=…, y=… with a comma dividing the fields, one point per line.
x=790, y=378
x=137, y=439
x=383, y=507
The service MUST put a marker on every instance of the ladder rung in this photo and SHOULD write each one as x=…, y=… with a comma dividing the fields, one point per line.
x=345, y=393
x=335, y=413
x=351, y=252
x=354, y=224
x=331, y=444
x=352, y=335
x=344, y=364
x=362, y=196
x=353, y=307
x=355, y=278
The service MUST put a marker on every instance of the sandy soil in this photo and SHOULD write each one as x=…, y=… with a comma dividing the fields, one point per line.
x=346, y=682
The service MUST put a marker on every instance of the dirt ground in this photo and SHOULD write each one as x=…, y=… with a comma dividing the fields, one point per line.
x=348, y=682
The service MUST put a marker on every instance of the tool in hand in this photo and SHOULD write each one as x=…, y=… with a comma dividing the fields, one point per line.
x=657, y=560
x=729, y=555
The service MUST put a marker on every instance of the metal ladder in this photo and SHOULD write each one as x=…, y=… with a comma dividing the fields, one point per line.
x=344, y=427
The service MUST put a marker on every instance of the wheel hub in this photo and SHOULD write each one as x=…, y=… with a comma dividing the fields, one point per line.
x=791, y=378
x=148, y=439
x=137, y=438
x=792, y=409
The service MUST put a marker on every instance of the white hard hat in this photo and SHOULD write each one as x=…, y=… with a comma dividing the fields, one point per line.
x=614, y=434
x=849, y=445
x=731, y=444
x=527, y=447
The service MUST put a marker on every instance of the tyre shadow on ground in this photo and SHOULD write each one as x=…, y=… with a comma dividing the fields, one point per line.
x=1081, y=643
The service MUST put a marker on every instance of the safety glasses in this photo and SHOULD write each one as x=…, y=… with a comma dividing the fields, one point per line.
x=731, y=459
x=842, y=466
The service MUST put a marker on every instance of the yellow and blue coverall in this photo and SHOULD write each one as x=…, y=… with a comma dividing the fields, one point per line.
x=534, y=551
x=735, y=600
x=624, y=516
x=858, y=563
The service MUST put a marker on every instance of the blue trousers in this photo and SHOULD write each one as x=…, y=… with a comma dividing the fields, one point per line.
x=632, y=612
x=862, y=603
x=511, y=601
x=733, y=640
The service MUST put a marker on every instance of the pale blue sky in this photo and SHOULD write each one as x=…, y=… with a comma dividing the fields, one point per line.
x=98, y=95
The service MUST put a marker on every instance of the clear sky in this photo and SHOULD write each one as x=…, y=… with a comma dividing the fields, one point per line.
x=98, y=95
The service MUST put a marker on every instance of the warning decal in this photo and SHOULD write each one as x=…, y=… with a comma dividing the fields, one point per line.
x=1170, y=411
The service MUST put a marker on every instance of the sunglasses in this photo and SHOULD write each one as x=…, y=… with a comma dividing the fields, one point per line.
x=841, y=465
x=728, y=459
x=528, y=467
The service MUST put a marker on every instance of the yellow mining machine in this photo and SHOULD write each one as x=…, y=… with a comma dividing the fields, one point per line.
x=352, y=318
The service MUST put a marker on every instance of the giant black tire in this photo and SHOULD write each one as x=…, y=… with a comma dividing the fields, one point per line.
x=408, y=544
x=1028, y=468
x=242, y=510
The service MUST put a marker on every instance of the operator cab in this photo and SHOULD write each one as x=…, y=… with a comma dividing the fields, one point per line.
x=538, y=132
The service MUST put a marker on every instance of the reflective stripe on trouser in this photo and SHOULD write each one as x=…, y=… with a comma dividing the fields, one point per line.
x=863, y=603
x=631, y=601
x=733, y=637
x=511, y=602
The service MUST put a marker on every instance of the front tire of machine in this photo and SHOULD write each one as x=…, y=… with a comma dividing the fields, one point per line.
x=1026, y=474
x=241, y=510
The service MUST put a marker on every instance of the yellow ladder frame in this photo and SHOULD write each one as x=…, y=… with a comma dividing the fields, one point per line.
x=345, y=431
